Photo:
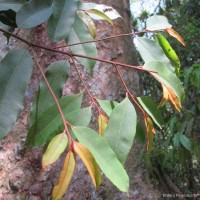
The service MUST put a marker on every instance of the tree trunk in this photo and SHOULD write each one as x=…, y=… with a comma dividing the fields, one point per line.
x=21, y=176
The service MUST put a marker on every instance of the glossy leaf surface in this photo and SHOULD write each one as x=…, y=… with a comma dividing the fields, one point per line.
x=89, y=162
x=65, y=176
x=33, y=13
x=16, y=68
x=62, y=19
x=104, y=156
x=79, y=33
x=157, y=22
x=55, y=148
x=121, y=129
x=150, y=51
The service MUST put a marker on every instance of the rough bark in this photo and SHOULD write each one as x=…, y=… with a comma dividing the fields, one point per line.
x=21, y=176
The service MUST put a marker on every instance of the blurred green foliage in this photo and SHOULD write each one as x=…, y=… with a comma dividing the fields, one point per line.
x=176, y=150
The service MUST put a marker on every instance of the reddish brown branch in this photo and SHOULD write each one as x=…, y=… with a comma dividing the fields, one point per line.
x=128, y=91
x=75, y=55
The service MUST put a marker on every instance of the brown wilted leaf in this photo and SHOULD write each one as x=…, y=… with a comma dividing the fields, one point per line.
x=150, y=133
x=173, y=33
x=168, y=95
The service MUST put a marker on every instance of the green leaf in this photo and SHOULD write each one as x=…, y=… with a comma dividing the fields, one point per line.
x=176, y=140
x=185, y=141
x=164, y=75
x=49, y=122
x=104, y=156
x=62, y=19
x=157, y=22
x=56, y=75
x=33, y=13
x=55, y=148
x=150, y=51
x=10, y=4
x=151, y=108
x=107, y=106
x=121, y=129
x=79, y=33
x=107, y=10
x=15, y=68
x=140, y=134
x=65, y=176
x=169, y=52
x=88, y=22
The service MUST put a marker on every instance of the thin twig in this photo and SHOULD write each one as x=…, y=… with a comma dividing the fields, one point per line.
x=75, y=55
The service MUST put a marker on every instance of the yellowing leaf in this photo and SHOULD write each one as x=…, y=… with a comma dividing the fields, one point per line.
x=65, y=176
x=88, y=22
x=150, y=133
x=173, y=33
x=55, y=148
x=169, y=95
x=103, y=123
x=90, y=163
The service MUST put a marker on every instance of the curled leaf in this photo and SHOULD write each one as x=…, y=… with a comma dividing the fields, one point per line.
x=88, y=22
x=90, y=163
x=150, y=133
x=103, y=123
x=169, y=95
x=97, y=14
x=173, y=33
x=65, y=176
x=55, y=148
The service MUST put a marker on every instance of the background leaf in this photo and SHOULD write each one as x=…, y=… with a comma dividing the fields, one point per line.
x=121, y=129
x=150, y=51
x=16, y=68
x=33, y=13
x=151, y=108
x=79, y=33
x=185, y=141
x=49, y=122
x=89, y=162
x=56, y=75
x=104, y=156
x=55, y=148
x=157, y=22
x=65, y=176
x=62, y=19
